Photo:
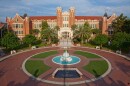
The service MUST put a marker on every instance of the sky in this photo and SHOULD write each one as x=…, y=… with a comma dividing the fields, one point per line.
x=8, y=8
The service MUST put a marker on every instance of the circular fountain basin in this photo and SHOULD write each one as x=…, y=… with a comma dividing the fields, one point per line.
x=74, y=60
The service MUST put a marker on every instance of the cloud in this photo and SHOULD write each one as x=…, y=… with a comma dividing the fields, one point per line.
x=47, y=7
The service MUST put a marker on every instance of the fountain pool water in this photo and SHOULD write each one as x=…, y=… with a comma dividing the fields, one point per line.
x=66, y=59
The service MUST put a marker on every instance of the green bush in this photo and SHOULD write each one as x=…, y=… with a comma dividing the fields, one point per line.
x=76, y=40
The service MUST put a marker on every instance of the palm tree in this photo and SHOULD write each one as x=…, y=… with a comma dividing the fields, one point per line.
x=50, y=34
x=96, y=31
x=83, y=32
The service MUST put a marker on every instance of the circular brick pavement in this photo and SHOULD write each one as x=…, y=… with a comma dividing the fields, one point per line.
x=11, y=73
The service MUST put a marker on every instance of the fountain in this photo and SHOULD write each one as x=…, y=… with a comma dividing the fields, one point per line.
x=66, y=59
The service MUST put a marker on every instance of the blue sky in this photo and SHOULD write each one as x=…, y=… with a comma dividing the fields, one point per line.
x=48, y=7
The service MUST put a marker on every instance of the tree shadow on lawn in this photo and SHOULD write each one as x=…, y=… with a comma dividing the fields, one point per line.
x=36, y=74
x=95, y=73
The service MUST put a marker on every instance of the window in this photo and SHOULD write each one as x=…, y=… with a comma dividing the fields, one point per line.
x=67, y=25
x=110, y=32
x=21, y=25
x=16, y=20
x=37, y=25
x=18, y=32
x=17, y=26
x=93, y=25
x=67, y=18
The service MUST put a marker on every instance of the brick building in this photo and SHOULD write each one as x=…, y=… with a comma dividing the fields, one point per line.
x=3, y=29
x=22, y=25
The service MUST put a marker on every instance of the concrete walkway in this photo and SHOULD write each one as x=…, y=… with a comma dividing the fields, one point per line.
x=65, y=43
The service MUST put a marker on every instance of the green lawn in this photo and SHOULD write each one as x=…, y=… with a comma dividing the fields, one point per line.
x=36, y=67
x=86, y=54
x=45, y=54
x=97, y=68
x=89, y=45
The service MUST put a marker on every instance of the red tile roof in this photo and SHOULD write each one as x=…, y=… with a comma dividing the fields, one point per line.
x=42, y=17
x=76, y=17
x=88, y=17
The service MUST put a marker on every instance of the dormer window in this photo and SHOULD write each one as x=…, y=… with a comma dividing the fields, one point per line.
x=16, y=20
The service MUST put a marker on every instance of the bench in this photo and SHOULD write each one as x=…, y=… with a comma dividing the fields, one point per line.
x=118, y=51
x=97, y=47
x=12, y=51
x=33, y=47
x=53, y=45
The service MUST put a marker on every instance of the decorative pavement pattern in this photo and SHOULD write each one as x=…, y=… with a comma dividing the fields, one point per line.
x=11, y=73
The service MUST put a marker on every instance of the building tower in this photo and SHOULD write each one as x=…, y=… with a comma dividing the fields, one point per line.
x=59, y=16
x=26, y=25
x=104, y=24
x=72, y=16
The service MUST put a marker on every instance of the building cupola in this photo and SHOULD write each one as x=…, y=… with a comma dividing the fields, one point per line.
x=105, y=14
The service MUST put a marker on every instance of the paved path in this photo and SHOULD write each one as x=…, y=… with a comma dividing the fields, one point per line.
x=11, y=73
x=65, y=43
x=120, y=74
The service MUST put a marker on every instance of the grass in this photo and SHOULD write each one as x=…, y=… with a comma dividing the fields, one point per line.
x=105, y=47
x=41, y=45
x=45, y=54
x=97, y=68
x=86, y=54
x=89, y=45
x=36, y=67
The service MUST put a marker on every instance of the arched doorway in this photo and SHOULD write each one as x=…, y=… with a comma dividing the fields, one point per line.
x=65, y=35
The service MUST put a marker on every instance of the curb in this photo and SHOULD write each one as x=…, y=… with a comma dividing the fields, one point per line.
x=127, y=58
x=67, y=83
x=9, y=56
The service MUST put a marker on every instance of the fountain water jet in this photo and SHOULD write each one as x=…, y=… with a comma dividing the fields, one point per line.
x=65, y=57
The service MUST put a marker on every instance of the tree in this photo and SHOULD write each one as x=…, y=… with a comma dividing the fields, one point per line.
x=35, y=32
x=126, y=26
x=49, y=34
x=29, y=39
x=96, y=31
x=83, y=32
x=45, y=25
x=120, y=39
x=57, y=28
x=73, y=27
x=101, y=39
x=10, y=41
x=118, y=23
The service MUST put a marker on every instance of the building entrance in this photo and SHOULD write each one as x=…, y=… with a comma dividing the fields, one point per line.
x=65, y=35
